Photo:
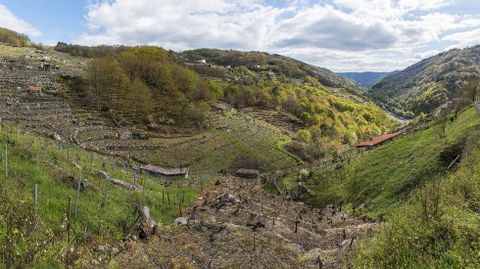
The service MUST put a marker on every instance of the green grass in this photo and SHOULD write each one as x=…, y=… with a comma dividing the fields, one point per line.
x=232, y=136
x=382, y=178
x=93, y=221
x=438, y=225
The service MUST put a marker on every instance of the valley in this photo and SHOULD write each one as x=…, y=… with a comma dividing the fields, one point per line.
x=142, y=157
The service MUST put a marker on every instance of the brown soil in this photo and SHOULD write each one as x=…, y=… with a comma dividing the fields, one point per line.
x=237, y=224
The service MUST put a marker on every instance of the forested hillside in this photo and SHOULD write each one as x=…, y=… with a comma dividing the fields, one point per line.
x=428, y=84
x=145, y=86
x=283, y=68
x=152, y=86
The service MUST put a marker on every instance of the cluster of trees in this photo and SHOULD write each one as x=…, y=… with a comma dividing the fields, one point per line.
x=324, y=113
x=330, y=120
x=143, y=85
x=150, y=85
x=13, y=38
x=89, y=52
x=432, y=96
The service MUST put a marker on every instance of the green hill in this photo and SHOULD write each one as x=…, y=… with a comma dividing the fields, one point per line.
x=38, y=234
x=149, y=86
x=429, y=83
x=431, y=212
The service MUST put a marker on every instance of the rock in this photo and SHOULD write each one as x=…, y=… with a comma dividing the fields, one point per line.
x=101, y=248
x=56, y=137
x=115, y=251
x=180, y=221
x=148, y=226
x=129, y=245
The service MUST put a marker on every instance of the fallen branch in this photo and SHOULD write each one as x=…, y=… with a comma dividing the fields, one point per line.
x=120, y=183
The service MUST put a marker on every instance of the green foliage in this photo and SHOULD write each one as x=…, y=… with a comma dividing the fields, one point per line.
x=89, y=52
x=304, y=136
x=142, y=83
x=27, y=239
x=13, y=38
x=432, y=96
x=382, y=178
x=427, y=84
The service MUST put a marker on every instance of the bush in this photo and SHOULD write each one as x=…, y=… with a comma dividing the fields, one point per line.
x=307, y=152
x=248, y=162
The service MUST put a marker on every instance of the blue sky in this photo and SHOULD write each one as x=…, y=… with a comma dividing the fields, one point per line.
x=342, y=35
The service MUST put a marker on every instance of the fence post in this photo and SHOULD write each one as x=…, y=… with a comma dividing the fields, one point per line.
x=69, y=223
x=35, y=193
x=77, y=195
x=143, y=178
x=154, y=191
x=106, y=191
x=6, y=160
x=108, y=186
x=91, y=163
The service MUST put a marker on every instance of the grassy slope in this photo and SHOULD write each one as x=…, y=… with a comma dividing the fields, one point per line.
x=382, y=178
x=233, y=135
x=93, y=223
x=438, y=226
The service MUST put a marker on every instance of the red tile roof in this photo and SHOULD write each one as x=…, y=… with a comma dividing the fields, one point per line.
x=378, y=140
x=35, y=88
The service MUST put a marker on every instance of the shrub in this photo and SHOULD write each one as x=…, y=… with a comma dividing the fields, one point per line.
x=307, y=152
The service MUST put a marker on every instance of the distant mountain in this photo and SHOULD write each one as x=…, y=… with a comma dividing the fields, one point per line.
x=427, y=84
x=366, y=79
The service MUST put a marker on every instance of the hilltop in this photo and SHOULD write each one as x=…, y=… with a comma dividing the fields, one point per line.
x=428, y=84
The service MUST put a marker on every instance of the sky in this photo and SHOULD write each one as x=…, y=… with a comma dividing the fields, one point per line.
x=341, y=35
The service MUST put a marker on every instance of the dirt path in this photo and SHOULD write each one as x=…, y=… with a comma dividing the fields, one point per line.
x=236, y=224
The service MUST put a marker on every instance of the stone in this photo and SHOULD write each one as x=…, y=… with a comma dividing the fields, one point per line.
x=180, y=221
x=115, y=251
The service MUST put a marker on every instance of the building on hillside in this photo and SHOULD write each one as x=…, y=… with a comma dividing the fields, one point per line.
x=165, y=172
x=35, y=88
x=243, y=172
x=222, y=107
x=378, y=140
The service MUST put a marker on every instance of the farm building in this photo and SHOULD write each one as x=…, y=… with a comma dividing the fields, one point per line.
x=243, y=172
x=378, y=140
x=167, y=172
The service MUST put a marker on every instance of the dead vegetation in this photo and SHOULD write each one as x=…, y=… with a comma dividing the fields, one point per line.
x=237, y=224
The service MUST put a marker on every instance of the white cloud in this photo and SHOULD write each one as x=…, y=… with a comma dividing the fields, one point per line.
x=10, y=21
x=343, y=35
x=465, y=38
x=181, y=24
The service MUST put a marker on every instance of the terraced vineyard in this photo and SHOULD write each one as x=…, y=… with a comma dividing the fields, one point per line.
x=54, y=112
x=284, y=121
